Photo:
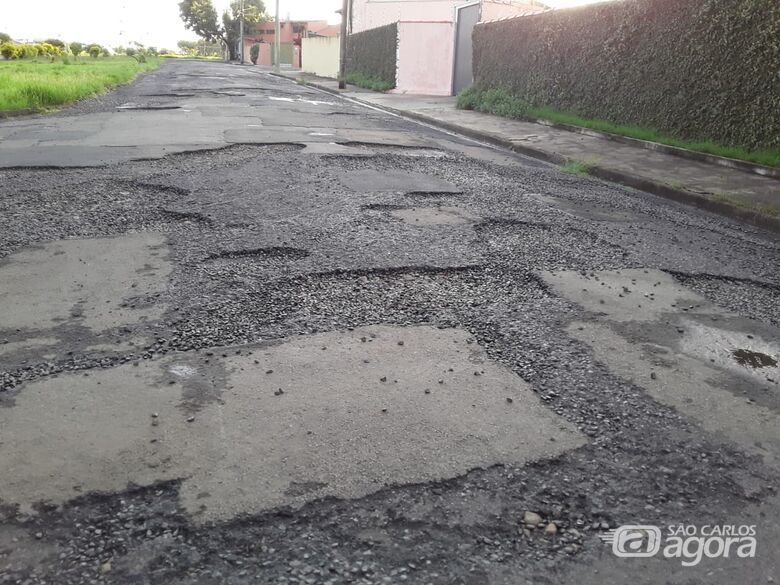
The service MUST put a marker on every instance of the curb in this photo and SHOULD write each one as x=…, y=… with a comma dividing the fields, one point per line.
x=723, y=161
x=723, y=208
x=17, y=113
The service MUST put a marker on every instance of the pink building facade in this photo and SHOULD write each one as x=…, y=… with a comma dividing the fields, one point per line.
x=291, y=34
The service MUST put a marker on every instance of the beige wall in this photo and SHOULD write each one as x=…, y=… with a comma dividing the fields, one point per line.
x=320, y=56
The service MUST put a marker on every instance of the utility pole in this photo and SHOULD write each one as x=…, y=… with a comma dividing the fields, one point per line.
x=277, y=40
x=343, y=45
x=241, y=33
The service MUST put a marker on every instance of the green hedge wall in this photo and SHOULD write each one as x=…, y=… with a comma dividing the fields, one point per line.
x=373, y=53
x=700, y=69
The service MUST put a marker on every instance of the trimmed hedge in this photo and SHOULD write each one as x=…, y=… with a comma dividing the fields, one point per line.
x=372, y=53
x=698, y=69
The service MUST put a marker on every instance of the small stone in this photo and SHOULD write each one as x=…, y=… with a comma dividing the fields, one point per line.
x=509, y=400
x=653, y=376
x=531, y=519
x=384, y=410
x=427, y=390
x=400, y=343
x=383, y=379
x=551, y=529
x=105, y=567
x=190, y=419
x=39, y=535
x=269, y=371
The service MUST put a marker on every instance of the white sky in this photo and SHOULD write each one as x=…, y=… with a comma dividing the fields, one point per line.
x=150, y=22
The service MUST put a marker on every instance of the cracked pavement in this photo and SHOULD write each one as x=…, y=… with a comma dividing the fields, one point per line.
x=254, y=333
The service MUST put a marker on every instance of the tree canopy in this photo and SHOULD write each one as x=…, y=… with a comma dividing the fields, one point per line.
x=201, y=17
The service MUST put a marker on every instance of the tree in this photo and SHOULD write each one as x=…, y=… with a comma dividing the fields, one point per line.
x=187, y=46
x=55, y=43
x=4, y=38
x=95, y=50
x=254, y=13
x=76, y=49
x=200, y=16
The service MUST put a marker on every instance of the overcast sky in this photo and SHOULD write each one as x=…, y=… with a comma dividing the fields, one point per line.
x=150, y=22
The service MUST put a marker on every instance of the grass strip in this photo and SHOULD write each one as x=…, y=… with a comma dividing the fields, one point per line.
x=40, y=84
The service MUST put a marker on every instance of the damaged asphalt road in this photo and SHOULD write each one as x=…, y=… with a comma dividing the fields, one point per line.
x=252, y=333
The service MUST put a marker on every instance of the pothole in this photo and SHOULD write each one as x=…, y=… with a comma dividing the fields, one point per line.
x=190, y=216
x=753, y=359
x=381, y=207
x=434, y=216
x=433, y=194
x=172, y=94
x=273, y=252
x=148, y=107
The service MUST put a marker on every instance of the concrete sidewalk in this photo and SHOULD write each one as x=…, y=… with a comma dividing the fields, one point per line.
x=733, y=192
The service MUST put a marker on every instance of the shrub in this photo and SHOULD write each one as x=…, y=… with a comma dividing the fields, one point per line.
x=254, y=53
x=30, y=51
x=76, y=49
x=49, y=50
x=130, y=52
x=11, y=51
x=94, y=51
x=369, y=82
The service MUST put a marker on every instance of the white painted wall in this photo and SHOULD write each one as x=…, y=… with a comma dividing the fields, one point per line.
x=320, y=56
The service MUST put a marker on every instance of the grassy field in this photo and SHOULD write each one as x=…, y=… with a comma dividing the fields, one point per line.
x=39, y=84
x=502, y=103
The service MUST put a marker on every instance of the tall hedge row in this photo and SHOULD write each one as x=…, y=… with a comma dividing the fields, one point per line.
x=373, y=53
x=701, y=69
